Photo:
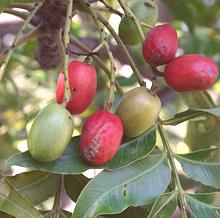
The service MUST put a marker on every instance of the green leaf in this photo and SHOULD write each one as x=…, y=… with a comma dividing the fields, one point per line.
x=134, y=150
x=201, y=207
x=130, y=212
x=36, y=186
x=63, y=214
x=190, y=114
x=71, y=161
x=74, y=184
x=111, y=192
x=12, y=203
x=202, y=166
x=165, y=204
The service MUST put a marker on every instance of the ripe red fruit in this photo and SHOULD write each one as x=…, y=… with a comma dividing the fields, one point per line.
x=101, y=137
x=82, y=82
x=160, y=45
x=192, y=72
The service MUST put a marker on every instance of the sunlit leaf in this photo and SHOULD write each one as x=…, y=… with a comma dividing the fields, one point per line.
x=111, y=192
x=201, y=207
x=202, y=166
x=13, y=203
x=165, y=205
x=190, y=114
x=36, y=186
x=71, y=161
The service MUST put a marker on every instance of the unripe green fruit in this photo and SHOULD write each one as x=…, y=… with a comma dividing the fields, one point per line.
x=50, y=133
x=138, y=110
x=147, y=12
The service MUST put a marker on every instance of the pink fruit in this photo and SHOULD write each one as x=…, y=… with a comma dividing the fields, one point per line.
x=82, y=82
x=191, y=72
x=101, y=137
x=160, y=45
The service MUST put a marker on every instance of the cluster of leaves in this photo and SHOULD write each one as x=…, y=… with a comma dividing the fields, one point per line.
x=138, y=181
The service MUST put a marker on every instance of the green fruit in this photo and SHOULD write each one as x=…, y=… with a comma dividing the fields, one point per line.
x=50, y=133
x=138, y=110
x=147, y=12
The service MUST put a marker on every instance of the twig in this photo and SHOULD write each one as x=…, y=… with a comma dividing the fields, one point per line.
x=18, y=35
x=22, y=14
x=131, y=15
x=110, y=9
x=174, y=170
x=83, y=47
x=66, y=41
x=37, y=32
x=103, y=37
x=145, y=25
x=26, y=6
x=56, y=205
x=124, y=50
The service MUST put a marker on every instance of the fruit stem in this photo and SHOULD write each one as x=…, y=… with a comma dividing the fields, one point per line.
x=37, y=32
x=26, y=6
x=110, y=9
x=56, y=205
x=145, y=25
x=131, y=15
x=3, y=66
x=83, y=47
x=178, y=185
x=66, y=41
x=124, y=50
x=103, y=37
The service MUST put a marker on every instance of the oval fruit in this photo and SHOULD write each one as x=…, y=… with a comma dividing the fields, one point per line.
x=101, y=137
x=160, y=45
x=138, y=110
x=50, y=133
x=82, y=82
x=192, y=72
x=146, y=11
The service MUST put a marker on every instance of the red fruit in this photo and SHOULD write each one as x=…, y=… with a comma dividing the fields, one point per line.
x=160, y=45
x=82, y=82
x=101, y=137
x=192, y=72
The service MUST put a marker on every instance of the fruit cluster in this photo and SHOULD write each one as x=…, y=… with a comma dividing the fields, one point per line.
x=137, y=110
x=187, y=73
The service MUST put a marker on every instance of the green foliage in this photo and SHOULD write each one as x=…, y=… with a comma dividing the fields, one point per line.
x=202, y=166
x=201, y=207
x=140, y=180
x=36, y=186
x=112, y=192
x=71, y=161
x=11, y=202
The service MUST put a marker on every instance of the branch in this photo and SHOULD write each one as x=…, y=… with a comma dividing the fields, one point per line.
x=84, y=48
x=124, y=50
x=131, y=15
x=66, y=41
x=110, y=9
x=103, y=37
x=18, y=35
x=37, y=32
x=23, y=15
x=174, y=169
x=56, y=205
x=26, y=6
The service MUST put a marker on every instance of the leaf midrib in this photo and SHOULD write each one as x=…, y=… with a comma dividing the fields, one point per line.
x=128, y=181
